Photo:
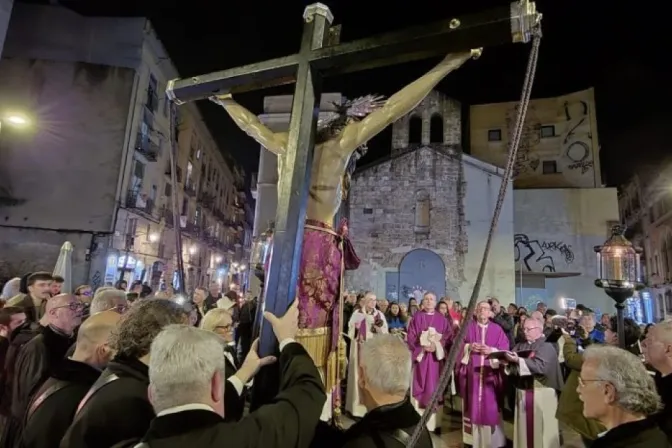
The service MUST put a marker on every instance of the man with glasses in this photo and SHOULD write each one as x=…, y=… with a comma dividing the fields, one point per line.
x=109, y=300
x=39, y=357
x=617, y=391
x=537, y=379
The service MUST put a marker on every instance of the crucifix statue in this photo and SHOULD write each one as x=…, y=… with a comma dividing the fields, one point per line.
x=316, y=159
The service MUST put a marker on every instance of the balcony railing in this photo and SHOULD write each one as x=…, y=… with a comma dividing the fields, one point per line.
x=190, y=190
x=145, y=146
x=137, y=201
x=167, y=214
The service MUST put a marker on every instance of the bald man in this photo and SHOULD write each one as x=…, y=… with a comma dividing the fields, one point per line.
x=54, y=405
x=38, y=358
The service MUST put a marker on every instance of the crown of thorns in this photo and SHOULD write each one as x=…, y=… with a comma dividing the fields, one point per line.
x=357, y=109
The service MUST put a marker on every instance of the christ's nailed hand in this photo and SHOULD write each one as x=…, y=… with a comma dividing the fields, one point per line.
x=285, y=327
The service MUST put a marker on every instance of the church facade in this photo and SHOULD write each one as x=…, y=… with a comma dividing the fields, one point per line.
x=419, y=219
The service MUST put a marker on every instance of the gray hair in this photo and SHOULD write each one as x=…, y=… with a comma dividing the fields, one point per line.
x=184, y=360
x=214, y=318
x=140, y=325
x=11, y=288
x=635, y=389
x=106, y=299
x=386, y=364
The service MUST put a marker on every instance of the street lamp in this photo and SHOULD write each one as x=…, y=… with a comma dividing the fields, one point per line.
x=14, y=120
x=619, y=273
x=218, y=259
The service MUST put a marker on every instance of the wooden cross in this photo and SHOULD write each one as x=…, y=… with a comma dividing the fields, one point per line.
x=319, y=56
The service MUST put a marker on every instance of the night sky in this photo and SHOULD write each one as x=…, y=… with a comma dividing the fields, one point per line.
x=586, y=43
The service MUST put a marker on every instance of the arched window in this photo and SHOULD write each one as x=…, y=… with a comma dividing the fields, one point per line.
x=436, y=129
x=415, y=130
x=422, y=212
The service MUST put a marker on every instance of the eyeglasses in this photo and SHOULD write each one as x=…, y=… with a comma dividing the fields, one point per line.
x=582, y=382
x=121, y=308
x=527, y=330
x=74, y=306
x=224, y=328
x=86, y=293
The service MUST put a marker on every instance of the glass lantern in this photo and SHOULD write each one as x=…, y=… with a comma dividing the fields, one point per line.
x=261, y=249
x=618, y=266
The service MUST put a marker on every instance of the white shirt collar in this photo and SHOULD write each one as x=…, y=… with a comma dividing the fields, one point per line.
x=185, y=407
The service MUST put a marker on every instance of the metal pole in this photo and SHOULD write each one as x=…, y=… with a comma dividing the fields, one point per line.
x=620, y=317
x=174, y=196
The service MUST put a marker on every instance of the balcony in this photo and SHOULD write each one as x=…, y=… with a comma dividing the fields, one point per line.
x=178, y=174
x=207, y=200
x=139, y=201
x=145, y=146
x=152, y=103
x=190, y=189
x=167, y=214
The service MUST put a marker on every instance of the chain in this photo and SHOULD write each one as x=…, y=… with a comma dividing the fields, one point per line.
x=447, y=370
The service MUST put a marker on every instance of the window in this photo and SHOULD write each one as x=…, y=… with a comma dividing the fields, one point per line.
x=547, y=131
x=368, y=211
x=549, y=167
x=152, y=96
x=436, y=129
x=185, y=206
x=415, y=129
x=190, y=173
x=168, y=190
x=138, y=176
x=166, y=105
x=495, y=135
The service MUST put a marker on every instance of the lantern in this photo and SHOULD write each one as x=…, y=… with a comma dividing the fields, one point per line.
x=261, y=250
x=619, y=273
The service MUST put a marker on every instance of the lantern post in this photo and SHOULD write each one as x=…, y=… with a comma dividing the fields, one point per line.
x=619, y=273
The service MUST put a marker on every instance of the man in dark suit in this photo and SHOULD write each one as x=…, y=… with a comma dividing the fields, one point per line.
x=186, y=371
x=54, y=405
x=116, y=408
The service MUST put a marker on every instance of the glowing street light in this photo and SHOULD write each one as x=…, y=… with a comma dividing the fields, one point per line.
x=218, y=259
x=17, y=120
x=193, y=249
x=153, y=237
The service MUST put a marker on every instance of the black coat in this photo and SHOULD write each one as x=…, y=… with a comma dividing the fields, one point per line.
x=289, y=421
x=38, y=358
x=639, y=434
x=118, y=411
x=664, y=387
x=376, y=429
x=234, y=403
x=19, y=337
x=47, y=421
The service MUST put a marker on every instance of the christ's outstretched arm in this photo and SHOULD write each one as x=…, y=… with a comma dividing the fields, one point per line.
x=276, y=142
x=401, y=103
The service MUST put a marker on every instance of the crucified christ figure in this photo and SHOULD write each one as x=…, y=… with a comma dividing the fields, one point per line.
x=326, y=250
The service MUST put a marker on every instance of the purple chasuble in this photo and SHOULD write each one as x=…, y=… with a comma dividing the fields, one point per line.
x=427, y=371
x=480, y=386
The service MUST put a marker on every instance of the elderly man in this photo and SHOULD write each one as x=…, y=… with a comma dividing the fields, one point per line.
x=54, y=405
x=428, y=335
x=365, y=323
x=537, y=379
x=117, y=408
x=39, y=357
x=657, y=349
x=617, y=391
x=385, y=372
x=187, y=385
x=481, y=382
x=109, y=299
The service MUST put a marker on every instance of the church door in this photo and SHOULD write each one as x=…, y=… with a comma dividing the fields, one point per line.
x=421, y=270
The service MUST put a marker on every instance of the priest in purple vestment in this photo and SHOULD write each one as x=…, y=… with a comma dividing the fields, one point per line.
x=481, y=381
x=428, y=335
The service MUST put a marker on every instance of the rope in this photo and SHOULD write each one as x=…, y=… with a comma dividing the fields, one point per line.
x=447, y=370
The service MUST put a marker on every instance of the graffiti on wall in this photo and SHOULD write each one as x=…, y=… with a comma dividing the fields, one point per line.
x=526, y=160
x=540, y=255
x=96, y=280
x=578, y=138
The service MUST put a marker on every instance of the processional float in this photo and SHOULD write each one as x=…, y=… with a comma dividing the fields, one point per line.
x=322, y=55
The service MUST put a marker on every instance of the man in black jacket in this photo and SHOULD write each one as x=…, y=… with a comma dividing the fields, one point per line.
x=116, y=408
x=186, y=392
x=385, y=375
x=54, y=405
x=501, y=318
x=39, y=357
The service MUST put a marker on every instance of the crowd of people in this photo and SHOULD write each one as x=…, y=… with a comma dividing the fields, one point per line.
x=126, y=368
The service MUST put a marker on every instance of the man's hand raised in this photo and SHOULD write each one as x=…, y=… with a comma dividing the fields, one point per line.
x=285, y=327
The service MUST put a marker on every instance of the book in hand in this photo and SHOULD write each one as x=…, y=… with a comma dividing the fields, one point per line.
x=501, y=354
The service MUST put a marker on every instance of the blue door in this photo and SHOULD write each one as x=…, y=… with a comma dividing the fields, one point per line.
x=420, y=271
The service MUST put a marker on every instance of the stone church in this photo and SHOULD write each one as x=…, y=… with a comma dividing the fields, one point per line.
x=420, y=217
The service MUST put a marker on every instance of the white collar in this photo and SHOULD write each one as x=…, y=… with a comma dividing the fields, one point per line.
x=185, y=407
